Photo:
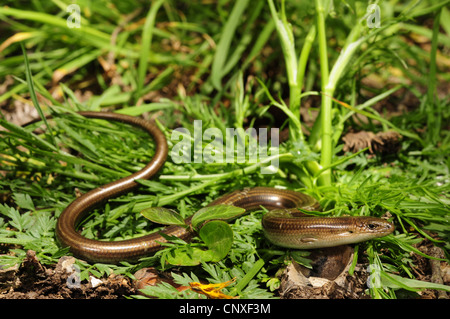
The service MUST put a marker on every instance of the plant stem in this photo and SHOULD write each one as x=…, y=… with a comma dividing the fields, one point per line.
x=295, y=75
x=288, y=46
x=303, y=61
x=240, y=171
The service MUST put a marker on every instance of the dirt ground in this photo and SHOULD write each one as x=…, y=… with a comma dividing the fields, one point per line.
x=32, y=280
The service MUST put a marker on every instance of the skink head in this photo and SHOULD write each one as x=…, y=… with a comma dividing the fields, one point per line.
x=376, y=226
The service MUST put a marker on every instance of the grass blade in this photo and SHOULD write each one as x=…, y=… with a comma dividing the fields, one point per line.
x=223, y=47
x=33, y=95
x=147, y=35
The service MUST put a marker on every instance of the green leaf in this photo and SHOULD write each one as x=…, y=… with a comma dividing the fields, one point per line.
x=163, y=290
x=188, y=256
x=395, y=281
x=222, y=212
x=147, y=35
x=218, y=236
x=23, y=201
x=299, y=257
x=164, y=216
x=17, y=220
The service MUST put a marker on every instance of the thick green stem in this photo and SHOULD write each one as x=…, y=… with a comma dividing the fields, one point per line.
x=295, y=73
x=302, y=62
x=288, y=46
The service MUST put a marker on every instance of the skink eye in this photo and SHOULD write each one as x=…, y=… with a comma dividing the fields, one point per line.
x=372, y=226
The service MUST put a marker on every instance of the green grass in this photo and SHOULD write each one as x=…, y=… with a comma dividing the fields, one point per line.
x=226, y=63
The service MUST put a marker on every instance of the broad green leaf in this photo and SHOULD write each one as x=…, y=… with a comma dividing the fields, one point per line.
x=218, y=236
x=222, y=212
x=164, y=216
